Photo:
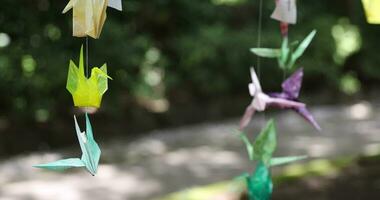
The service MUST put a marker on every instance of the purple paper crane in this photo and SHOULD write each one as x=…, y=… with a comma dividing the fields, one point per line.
x=261, y=101
x=290, y=91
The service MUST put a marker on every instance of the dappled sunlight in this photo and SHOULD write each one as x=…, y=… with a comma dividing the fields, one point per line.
x=321, y=149
x=42, y=190
x=151, y=91
x=348, y=39
x=360, y=111
x=5, y=40
x=110, y=183
x=371, y=149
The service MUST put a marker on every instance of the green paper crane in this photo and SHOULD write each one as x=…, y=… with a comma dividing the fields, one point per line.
x=286, y=56
x=90, y=152
x=87, y=92
x=259, y=184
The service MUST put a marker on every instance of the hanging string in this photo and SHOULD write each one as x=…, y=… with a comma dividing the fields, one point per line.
x=260, y=21
x=86, y=110
x=260, y=24
x=87, y=68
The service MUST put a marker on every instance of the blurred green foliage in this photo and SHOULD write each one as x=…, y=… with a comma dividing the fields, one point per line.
x=168, y=52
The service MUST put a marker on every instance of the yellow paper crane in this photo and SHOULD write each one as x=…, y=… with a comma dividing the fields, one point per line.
x=372, y=10
x=89, y=16
x=87, y=92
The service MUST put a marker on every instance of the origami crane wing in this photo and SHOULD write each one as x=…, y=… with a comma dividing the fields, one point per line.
x=260, y=184
x=254, y=90
x=75, y=74
x=103, y=80
x=266, y=143
x=264, y=146
x=116, y=4
x=292, y=86
x=62, y=165
x=92, y=146
x=285, y=11
x=255, y=86
x=372, y=11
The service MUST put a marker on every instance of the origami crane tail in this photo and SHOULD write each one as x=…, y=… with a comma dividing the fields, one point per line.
x=249, y=112
x=305, y=113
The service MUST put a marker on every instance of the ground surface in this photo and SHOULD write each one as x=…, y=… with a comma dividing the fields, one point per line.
x=166, y=161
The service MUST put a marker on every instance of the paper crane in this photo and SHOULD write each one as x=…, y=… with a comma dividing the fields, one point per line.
x=288, y=54
x=87, y=92
x=285, y=11
x=90, y=152
x=372, y=10
x=259, y=184
x=290, y=91
x=89, y=16
x=261, y=101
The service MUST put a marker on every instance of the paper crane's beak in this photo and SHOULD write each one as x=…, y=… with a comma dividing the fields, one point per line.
x=101, y=73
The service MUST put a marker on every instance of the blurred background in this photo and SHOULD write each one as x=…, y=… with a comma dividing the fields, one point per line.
x=180, y=73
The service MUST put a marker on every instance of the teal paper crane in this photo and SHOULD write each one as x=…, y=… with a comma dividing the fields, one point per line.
x=90, y=152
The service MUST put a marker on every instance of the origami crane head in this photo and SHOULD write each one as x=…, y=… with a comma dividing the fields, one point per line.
x=87, y=92
x=372, y=10
x=89, y=16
